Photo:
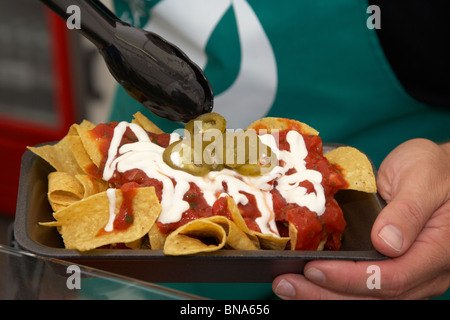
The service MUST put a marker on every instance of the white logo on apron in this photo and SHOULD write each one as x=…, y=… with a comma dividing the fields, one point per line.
x=189, y=24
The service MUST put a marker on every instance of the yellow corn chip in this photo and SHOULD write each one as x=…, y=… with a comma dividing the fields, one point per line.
x=59, y=156
x=145, y=123
x=236, y=238
x=356, y=168
x=194, y=237
x=82, y=224
x=270, y=123
x=63, y=190
x=156, y=238
x=91, y=185
x=91, y=146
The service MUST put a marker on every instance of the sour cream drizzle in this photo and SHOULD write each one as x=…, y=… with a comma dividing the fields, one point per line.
x=147, y=156
x=111, y=193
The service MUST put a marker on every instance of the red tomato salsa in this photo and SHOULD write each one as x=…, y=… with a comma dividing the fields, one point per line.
x=127, y=181
x=198, y=208
x=311, y=228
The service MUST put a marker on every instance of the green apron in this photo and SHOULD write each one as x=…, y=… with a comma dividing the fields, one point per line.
x=331, y=73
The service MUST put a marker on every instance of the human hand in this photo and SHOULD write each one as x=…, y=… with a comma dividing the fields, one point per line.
x=413, y=229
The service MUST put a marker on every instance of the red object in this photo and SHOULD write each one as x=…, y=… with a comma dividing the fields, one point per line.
x=18, y=133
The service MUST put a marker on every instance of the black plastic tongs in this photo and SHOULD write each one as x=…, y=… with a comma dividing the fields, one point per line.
x=153, y=71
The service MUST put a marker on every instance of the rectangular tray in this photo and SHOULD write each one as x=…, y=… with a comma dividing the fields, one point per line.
x=360, y=211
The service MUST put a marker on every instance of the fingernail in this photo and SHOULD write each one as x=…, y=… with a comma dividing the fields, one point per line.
x=285, y=289
x=392, y=236
x=315, y=275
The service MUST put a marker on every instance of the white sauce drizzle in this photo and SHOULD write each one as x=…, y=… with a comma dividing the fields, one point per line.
x=111, y=193
x=147, y=156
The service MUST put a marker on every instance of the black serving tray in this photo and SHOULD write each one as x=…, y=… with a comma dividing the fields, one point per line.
x=360, y=211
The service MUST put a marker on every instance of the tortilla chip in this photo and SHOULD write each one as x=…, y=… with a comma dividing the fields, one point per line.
x=59, y=156
x=91, y=146
x=293, y=234
x=356, y=168
x=196, y=236
x=156, y=238
x=271, y=241
x=136, y=244
x=50, y=224
x=91, y=185
x=82, y=224
x=82, y=156
x=145, y=123
x=73, y=130
x=236, y=238
x=270, y=123
x=260, y=240
x=63, y=190
x=240, y=222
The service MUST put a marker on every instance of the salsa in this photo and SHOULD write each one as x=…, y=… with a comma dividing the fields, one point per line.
x=103, y=134
x=312, y=229
x=198, y=208
x=125, y=217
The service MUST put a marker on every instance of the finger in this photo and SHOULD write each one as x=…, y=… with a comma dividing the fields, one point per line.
x=357, y=278
x=297, y=287
x=391, y=278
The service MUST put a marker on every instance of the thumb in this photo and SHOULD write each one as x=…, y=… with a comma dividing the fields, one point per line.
x=413, y=192
x=398, y=225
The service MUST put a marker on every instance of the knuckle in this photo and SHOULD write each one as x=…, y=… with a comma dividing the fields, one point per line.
x=414, y=215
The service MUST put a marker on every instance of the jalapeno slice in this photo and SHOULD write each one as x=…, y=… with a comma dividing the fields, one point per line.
x=212, y=156
x=241, y=151
x=175, y=161
x=196, y=169
x=229, y=150
x=176, y=157
x=205, y=122
x=248, y=169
